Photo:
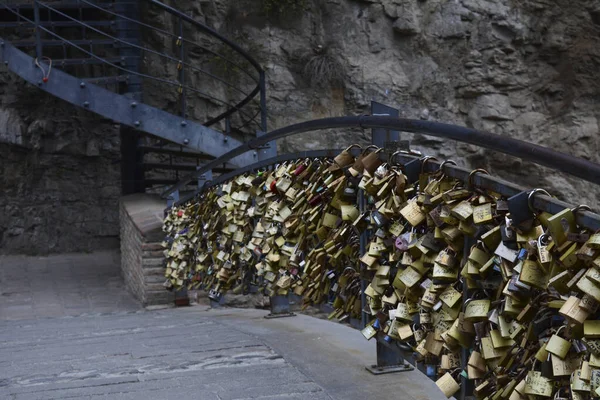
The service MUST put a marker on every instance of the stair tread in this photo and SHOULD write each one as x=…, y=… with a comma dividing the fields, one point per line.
x=107, y=79
x=76, y=61
x=59, y=5
x=78, y=42
x=57, y=24
x=176, y=151
x=184, y=167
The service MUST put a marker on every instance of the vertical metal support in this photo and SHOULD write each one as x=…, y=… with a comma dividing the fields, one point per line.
x=466, y=385
x=263, y=102
x=280, y=307
x=268, y=151
x=132, y=158
x=381, y=136
x=129, y=31
x=173, y=198
x=363, y=249
x=182, y=69
x=132, y=171
x=38, y=31
x=389, y=359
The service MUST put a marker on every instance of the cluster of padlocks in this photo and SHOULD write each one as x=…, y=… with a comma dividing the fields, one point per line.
x=448, y=267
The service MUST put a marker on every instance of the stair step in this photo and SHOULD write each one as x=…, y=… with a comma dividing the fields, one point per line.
x=80, y=42
x=164, y=182
x=183, y=167
x=57, y=24
x=59, y=5
x=87, y=61
x=105, y=80
x=176, y=152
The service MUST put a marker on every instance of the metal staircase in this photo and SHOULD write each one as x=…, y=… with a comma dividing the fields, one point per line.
x=116, y=59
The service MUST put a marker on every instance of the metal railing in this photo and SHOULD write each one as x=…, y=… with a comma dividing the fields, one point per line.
x=578, y=167
x=186, y=62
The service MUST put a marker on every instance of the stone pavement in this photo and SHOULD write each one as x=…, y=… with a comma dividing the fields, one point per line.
x=194, y=353
x=115, y=350
x=62, y=285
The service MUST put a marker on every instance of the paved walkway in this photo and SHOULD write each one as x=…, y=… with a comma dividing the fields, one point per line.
x=127, y=353
x=62, y=285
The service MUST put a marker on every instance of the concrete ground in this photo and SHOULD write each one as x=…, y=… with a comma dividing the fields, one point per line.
x=184, y=353
x=62, y=285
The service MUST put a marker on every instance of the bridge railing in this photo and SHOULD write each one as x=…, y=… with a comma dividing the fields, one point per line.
x=520, y=202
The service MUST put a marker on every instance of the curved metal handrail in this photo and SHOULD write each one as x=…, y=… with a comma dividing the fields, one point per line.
x=578, y=167
x=231, y=108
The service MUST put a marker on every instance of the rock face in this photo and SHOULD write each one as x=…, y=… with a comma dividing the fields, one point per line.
x=59, y=173
x=528, y=69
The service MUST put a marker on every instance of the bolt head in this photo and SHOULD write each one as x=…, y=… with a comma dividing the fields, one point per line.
x=40, y=83
x=183, y=123
x=86, y=104
x=137, y=123
x=82, y=85
x=254, y=154
x=186, y=141
x=133, y=104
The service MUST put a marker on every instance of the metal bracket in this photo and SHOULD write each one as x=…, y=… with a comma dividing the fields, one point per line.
x=172, y=199
x=280, y=307
x=389, y=359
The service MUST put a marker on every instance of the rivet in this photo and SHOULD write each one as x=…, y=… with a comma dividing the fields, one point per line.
x=254, y=154
x=86, y=104
x=133, y=104
x=82, y=85
x=137, y=123
x=40, y=83
x=183, y=123
x=186, y=141
x=6, y=62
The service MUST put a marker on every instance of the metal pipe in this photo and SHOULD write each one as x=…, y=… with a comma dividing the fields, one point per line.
x=263, y=102
x=578, y=167
x=182, y=72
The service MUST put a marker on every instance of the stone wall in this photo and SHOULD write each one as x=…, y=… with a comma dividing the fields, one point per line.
x=142, y=256
x=59, y=174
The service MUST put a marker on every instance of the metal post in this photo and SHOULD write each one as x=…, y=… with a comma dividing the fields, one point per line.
x=263, y=102
x=382, y=137
x=280, y=307
x=390, y=358
x=38, y=36
x=182, y=69
x=466, y=385
x=269, y=150
x=363, y=249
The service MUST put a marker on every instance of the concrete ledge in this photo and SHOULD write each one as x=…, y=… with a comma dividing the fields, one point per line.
x=142, y=258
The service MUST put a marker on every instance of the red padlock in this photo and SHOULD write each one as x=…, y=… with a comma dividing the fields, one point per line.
x=45, y=79
x=273, y=186
x=179, y=213
x=300, y=169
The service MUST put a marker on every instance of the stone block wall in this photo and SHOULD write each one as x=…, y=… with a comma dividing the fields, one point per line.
x=142, y=257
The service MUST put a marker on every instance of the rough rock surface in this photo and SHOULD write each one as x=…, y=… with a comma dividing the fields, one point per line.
x=528, y=69
x=59, y=174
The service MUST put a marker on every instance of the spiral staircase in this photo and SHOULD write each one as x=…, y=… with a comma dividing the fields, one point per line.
x=148, y=67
